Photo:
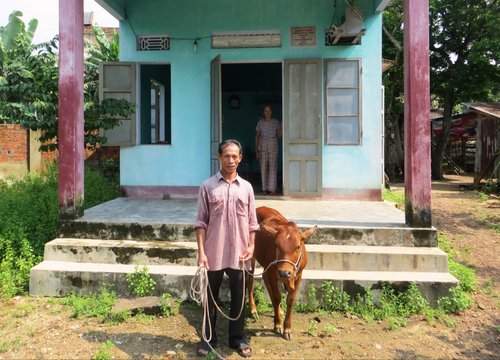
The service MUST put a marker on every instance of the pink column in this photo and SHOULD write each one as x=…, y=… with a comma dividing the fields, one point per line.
x=417, y=114
x=70, y=130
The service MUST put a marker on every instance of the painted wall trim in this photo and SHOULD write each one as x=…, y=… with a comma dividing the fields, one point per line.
x=352, y=194
x=161, y=192
x=116, y=11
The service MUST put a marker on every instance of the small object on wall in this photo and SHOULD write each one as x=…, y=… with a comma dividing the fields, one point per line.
x=234, y=102
x=153, y=43
x=303, y=36
x=350, y=32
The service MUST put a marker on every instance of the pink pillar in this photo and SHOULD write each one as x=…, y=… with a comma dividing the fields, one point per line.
x=417, y=114
x=70, y=130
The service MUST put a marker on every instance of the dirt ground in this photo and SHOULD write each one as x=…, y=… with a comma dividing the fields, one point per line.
x=43, y=328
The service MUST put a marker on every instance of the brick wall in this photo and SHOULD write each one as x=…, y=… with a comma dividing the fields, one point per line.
x=13, y=143
x=13, y=150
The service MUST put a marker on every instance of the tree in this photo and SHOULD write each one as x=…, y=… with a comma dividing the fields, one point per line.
x=394, y=90
x=464, y=55
x=19, y=71
x=29, y=84
x=465, y=52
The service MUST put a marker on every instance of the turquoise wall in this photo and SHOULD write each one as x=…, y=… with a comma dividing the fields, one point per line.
x=187, y=161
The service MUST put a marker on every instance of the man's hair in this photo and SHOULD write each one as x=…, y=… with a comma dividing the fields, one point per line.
x=227, y=142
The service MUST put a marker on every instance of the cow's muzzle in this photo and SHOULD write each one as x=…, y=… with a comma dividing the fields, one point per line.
x=284, y=274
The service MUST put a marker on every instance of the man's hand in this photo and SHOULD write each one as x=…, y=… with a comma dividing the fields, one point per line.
x=247, y=254
x=202, y=260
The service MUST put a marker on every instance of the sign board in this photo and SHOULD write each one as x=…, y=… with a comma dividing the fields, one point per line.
x=251, y=39
x=303, y=36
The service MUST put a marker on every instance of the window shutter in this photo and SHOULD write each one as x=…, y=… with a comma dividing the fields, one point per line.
x=117, y=81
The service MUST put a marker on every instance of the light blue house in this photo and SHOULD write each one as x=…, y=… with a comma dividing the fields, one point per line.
x=201, y=71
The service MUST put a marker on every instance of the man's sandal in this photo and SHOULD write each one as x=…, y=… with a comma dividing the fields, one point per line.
x=244, y=350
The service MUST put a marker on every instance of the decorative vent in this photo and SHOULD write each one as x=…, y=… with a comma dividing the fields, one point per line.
x=153, y=43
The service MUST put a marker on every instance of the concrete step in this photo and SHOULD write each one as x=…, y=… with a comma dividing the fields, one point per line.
x=367, y=234
x=59, y=278
x=320, y=257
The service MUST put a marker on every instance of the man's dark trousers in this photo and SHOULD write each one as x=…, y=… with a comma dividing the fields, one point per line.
x=237, y=293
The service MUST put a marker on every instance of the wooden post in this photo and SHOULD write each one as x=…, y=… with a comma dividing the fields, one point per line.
x=70, y=128
x=417, y=114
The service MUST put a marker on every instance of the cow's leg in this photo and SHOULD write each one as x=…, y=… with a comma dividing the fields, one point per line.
x=290, y=301
x=271, y=281
x=250, y=287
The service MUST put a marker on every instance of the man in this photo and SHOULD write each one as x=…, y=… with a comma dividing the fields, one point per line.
x=225, y=231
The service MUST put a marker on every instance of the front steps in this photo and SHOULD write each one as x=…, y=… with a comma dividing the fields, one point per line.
x=355, y=234
x=320, y=257
x=85, y=265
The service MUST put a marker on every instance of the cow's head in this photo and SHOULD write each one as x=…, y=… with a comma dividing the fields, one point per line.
x=288, y=239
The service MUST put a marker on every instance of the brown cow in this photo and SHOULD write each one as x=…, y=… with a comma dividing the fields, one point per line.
x=279, y=240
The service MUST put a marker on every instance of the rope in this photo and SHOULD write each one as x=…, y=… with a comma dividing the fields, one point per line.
x=200, y=289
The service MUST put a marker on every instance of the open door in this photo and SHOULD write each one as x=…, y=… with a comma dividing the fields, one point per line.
x=302, y=167
x=117, y=81
x=216, y=123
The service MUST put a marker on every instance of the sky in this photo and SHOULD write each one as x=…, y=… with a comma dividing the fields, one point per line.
x=47, y=13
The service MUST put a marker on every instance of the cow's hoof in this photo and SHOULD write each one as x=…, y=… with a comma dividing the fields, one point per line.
x=255, y=315
x=287, y=334
x=278, y=329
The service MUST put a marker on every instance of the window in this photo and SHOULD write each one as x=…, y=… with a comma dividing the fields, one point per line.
x=343, y=124
x=155, y=104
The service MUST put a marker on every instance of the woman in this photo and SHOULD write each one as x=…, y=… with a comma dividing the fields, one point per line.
x=266, y=142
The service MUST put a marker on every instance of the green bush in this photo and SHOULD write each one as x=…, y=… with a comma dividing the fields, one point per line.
x=99, y=188
x=261, y=302
x=312, y=304
x=169, y=305
x=140, y=282
x=333, y=298
x=457, y=301
x=29, y=219
x=465, y=275
x=29, y=209
x=95, y=305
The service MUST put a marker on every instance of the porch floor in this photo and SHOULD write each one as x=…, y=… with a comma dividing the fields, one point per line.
x=303, y=212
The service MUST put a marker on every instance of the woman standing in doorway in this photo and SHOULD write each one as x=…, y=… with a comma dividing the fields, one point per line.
x=266, y=142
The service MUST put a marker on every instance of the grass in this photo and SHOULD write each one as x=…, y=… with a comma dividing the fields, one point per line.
x=104, y=351
x=396, y=197
x=10, y=345
x=98, y=306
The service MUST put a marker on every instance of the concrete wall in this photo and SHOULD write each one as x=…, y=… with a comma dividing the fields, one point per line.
x=187, y=161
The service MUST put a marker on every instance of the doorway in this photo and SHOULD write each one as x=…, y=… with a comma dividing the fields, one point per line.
x=246, y=88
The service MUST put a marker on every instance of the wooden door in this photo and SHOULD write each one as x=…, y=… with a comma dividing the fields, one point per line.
x=302, y=168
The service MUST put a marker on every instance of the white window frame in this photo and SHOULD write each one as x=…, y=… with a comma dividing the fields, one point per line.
x=358, y=141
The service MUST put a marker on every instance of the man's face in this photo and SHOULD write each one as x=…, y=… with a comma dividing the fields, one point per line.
x=230, y=158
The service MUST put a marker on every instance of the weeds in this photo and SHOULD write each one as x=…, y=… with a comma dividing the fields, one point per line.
x=396, y=197
x=261, y=302
x=6, y=346
x=29, y=218
x=169, y=306
x=98, y=305
x=140, y=282
x=312, y=328
x=104, y=351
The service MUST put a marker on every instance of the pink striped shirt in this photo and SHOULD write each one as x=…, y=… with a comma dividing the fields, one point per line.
x=227, y=212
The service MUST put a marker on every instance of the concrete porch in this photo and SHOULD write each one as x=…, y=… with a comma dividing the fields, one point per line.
x=339, y=222
x=358, y=245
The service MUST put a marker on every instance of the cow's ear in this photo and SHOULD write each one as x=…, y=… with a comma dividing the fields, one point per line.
x=306, y=234
x=269, y=228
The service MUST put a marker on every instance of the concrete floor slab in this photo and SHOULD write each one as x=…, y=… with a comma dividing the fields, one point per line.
x=303, y=212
